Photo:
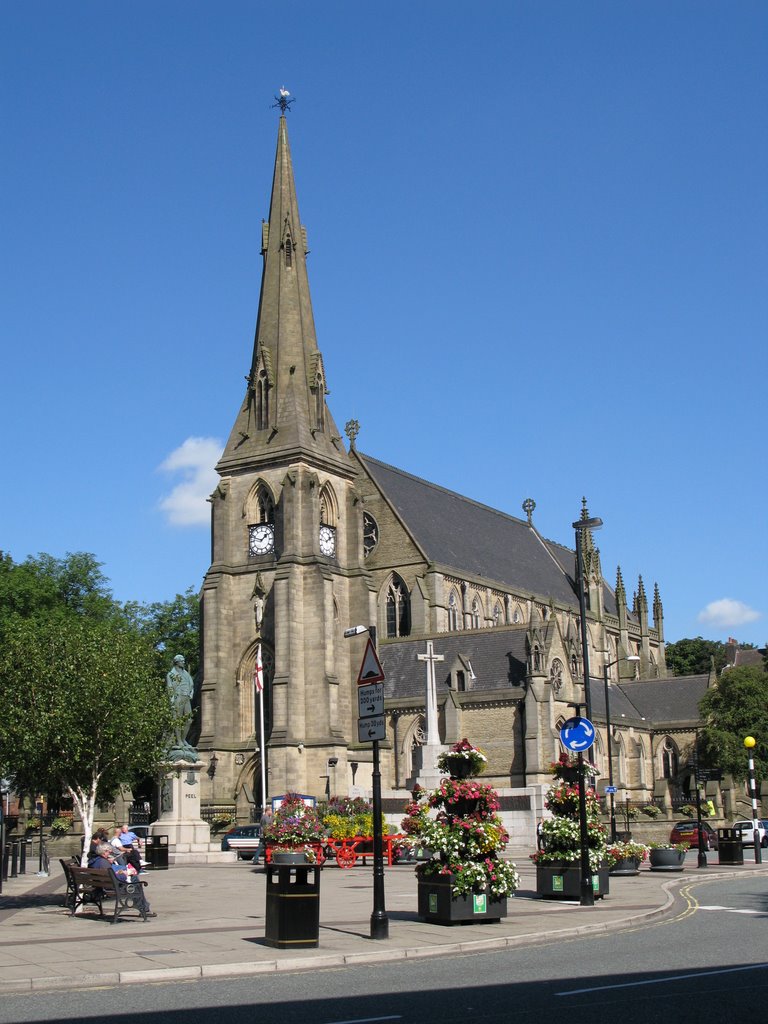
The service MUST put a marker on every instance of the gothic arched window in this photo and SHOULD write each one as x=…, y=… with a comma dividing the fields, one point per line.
x=453, y=612
x=288, y=252
x=498, y=614
x=475, y=617
x=398, y=608
x=320, y=403
x=262, y=401
x=265, y=506
x=670, y=762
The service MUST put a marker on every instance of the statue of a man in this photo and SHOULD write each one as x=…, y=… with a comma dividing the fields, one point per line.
x=181, y=689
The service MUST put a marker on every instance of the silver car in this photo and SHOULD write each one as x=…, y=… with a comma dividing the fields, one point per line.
x=245, y=840
x=747, y=830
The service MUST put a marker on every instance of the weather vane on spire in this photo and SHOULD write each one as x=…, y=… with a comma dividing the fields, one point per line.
x=282, y=100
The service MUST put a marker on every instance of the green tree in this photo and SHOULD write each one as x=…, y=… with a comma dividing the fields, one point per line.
x=44, y=588
x=84, y=709
x=691, y=657
x=171, y=627
x=736, y=707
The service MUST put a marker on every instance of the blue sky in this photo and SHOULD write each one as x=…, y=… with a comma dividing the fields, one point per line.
x=539, y=238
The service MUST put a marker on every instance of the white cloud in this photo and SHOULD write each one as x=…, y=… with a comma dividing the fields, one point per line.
x=195, y=459
x=727, y=613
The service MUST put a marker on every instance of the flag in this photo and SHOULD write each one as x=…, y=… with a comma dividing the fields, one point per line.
x=258, y=674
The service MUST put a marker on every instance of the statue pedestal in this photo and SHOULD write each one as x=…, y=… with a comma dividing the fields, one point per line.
x=189, y=837
x=425, y=770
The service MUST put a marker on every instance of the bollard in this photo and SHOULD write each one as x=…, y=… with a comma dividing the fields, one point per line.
x=23, y=856
x=14, y=858
x=6, y=859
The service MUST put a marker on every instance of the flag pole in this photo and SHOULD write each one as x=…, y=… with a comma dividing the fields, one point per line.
x=259, y=680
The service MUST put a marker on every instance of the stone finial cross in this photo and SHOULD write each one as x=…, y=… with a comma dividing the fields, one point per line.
x=431, y=658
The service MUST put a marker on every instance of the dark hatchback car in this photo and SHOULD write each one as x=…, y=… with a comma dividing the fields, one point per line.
x=245, y=840
x=688, y=832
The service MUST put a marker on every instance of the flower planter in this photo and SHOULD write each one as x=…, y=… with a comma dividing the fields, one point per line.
x=286, y=857
x=563, y=881
x=459, y=767
x=438, y=905
x=667, y=860
x=626, y=867
x=462, y=807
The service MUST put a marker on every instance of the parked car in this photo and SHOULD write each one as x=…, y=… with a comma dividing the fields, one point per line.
x=747, y=829
x=245, y=840
x=688, y=832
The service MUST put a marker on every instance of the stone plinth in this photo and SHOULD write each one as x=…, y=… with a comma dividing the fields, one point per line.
x=189, y=837
x=425, y=771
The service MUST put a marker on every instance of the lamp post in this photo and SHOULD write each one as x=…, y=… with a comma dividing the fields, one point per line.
x=749, y=743
x=379, y=919
x=606, y=667
x=580, y=526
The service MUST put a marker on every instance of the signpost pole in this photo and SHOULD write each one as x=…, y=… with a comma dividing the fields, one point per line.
x=379, y=919
x=371, y=728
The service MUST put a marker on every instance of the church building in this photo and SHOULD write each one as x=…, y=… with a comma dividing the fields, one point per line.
x=311, y=536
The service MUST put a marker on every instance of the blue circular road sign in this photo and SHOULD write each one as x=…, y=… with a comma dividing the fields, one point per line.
x=577, y=734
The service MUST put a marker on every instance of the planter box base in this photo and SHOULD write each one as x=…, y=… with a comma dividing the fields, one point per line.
x=564, y=883
x=667, y=860
x=626, y=868
x=437, y=906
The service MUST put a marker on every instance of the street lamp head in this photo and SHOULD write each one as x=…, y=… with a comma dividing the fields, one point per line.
x=355, y=631
x=588, y=524
x=749, y=742
x=632, y=657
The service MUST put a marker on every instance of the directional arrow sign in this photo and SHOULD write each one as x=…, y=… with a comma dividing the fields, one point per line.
x=370, y=670
x=370, y=729
x=577, y=734
x=370, y=700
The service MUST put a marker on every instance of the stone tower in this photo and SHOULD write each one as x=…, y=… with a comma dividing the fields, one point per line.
x=285, y=550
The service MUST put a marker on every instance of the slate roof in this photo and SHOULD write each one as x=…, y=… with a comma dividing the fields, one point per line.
x=497, y=657
x=476, y=540
x=668, y=702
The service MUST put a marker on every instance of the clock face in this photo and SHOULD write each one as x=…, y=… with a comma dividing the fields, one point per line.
x=370, y=533
x=327, y=540
x=261, y=539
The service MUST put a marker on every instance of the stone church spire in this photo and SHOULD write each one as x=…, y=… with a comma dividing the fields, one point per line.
x=284, y=414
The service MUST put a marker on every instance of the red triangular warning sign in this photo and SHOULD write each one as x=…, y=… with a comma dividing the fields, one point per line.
x=371, y=670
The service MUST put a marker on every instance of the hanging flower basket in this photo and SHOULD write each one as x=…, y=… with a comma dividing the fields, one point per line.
x=462, y=761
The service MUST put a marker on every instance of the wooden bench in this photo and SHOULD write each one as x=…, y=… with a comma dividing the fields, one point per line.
x=95, y=885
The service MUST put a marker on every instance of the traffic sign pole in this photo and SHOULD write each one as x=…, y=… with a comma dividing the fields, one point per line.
x=379, y=919
x=370, y=727
x=578, y=734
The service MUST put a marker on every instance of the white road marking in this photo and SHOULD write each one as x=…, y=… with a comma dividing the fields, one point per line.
x=731, y=910
x=366, y=1020
x=663, y=981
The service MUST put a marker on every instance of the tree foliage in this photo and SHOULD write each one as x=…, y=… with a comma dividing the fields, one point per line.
x=691, y=657
x=735, y=708
x=84, y=709
x=171, y=627
x=47, y=589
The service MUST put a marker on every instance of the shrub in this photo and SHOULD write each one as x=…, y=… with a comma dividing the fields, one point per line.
x=650, y=811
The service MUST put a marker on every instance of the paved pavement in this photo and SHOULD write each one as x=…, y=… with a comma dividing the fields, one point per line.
x=210, y=923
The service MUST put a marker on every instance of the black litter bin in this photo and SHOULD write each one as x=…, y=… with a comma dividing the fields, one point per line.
x=293, y=906
x=729, y=848
x=156, y=848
